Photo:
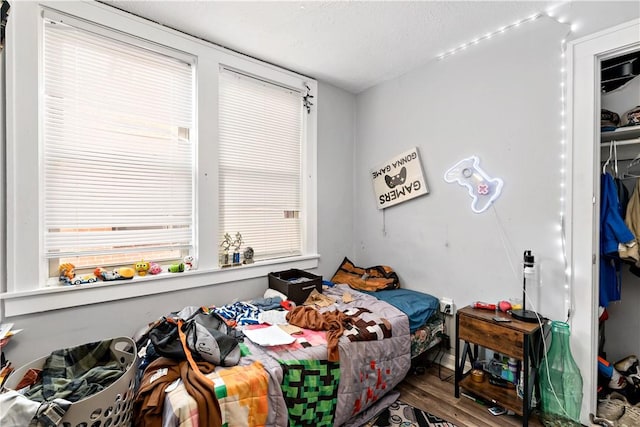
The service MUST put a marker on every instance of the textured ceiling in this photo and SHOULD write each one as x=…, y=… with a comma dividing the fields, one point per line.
x=351, y=44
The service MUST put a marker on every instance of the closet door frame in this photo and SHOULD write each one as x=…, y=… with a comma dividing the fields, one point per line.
x=582, y=215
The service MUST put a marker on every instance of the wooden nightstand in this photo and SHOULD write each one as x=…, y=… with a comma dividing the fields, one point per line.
x=520, y=340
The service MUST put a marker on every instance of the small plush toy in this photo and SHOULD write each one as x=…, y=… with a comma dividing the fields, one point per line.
x=189, y=262
x=154, y=268
x=126, y=272
x=176, y=268
x=99, y=272
x=117, y=274
x=67, y=271
x=142, y=267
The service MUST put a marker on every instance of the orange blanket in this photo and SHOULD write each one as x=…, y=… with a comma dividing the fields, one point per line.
x=331, y=321
x=371, y=279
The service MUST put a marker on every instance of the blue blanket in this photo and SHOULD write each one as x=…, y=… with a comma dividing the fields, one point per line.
x=416, y=305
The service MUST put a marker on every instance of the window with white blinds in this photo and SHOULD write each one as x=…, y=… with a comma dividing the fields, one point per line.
x=260, y=167
x=117, y=148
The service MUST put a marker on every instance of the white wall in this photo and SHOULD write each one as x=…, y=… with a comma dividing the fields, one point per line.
x=51, y=330
x=499, y=100
x=336, y=133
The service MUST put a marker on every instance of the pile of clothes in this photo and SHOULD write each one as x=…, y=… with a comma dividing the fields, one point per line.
x=42, y=396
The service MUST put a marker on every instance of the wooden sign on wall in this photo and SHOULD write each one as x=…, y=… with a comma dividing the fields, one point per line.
x=399, y=179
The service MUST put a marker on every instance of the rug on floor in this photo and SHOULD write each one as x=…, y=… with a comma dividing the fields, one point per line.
x=403, y=415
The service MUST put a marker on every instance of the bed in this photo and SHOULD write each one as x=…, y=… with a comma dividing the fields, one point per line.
x=426, y=325
x=296, y=384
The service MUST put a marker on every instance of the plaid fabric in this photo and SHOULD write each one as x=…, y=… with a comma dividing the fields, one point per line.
x=77, y=372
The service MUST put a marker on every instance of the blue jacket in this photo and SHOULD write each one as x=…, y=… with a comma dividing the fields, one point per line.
x=613, y=231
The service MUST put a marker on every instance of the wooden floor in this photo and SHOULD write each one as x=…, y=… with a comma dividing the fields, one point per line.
x=431, y=394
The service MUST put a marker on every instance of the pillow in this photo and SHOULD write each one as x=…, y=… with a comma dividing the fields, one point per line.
x=372, y=279
x=418, y=306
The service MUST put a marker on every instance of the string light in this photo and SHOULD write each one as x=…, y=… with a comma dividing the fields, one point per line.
x=568, y=306
x=549, y=13
x=487, y=36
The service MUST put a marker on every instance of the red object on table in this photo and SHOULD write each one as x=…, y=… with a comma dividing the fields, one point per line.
x=483, y=305
x=504, y=306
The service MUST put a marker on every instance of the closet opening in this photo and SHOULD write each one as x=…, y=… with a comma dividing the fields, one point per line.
x=619, y=212
x=585, y=58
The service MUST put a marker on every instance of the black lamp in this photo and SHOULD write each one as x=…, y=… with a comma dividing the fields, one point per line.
x=524, y=314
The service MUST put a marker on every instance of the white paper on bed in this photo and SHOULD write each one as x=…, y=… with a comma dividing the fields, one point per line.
x=271, y=335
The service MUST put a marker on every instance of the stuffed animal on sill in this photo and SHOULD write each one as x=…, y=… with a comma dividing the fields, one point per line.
x=67, y=271
x=176, y=268
x=189, y=262
x=122, y=273
x=142, y=267
x=154, y=268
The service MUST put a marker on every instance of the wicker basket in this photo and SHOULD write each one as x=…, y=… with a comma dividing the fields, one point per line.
x=112, y=406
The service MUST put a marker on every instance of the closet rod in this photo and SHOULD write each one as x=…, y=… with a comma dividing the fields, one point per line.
x=624, y=142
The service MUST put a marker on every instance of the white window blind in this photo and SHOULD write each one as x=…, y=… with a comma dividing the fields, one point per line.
x=260, y=165
x=118, y=159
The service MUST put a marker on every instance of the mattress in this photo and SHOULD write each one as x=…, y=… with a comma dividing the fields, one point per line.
x=423, y=310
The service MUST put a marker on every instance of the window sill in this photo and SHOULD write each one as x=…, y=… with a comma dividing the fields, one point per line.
x=59, y=297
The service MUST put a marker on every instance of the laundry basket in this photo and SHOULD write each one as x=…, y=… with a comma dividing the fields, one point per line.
x=112, y=406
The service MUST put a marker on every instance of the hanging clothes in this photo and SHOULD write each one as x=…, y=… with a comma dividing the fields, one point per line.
x=632, y=220
x=623, y=197
x=632, y=216
x=613, y=233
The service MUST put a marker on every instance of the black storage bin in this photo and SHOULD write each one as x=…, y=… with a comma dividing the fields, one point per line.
x=295, y=284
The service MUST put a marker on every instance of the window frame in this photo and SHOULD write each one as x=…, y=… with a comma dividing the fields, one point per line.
x=117, y=40
x=240, y=81
x=25, y=290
